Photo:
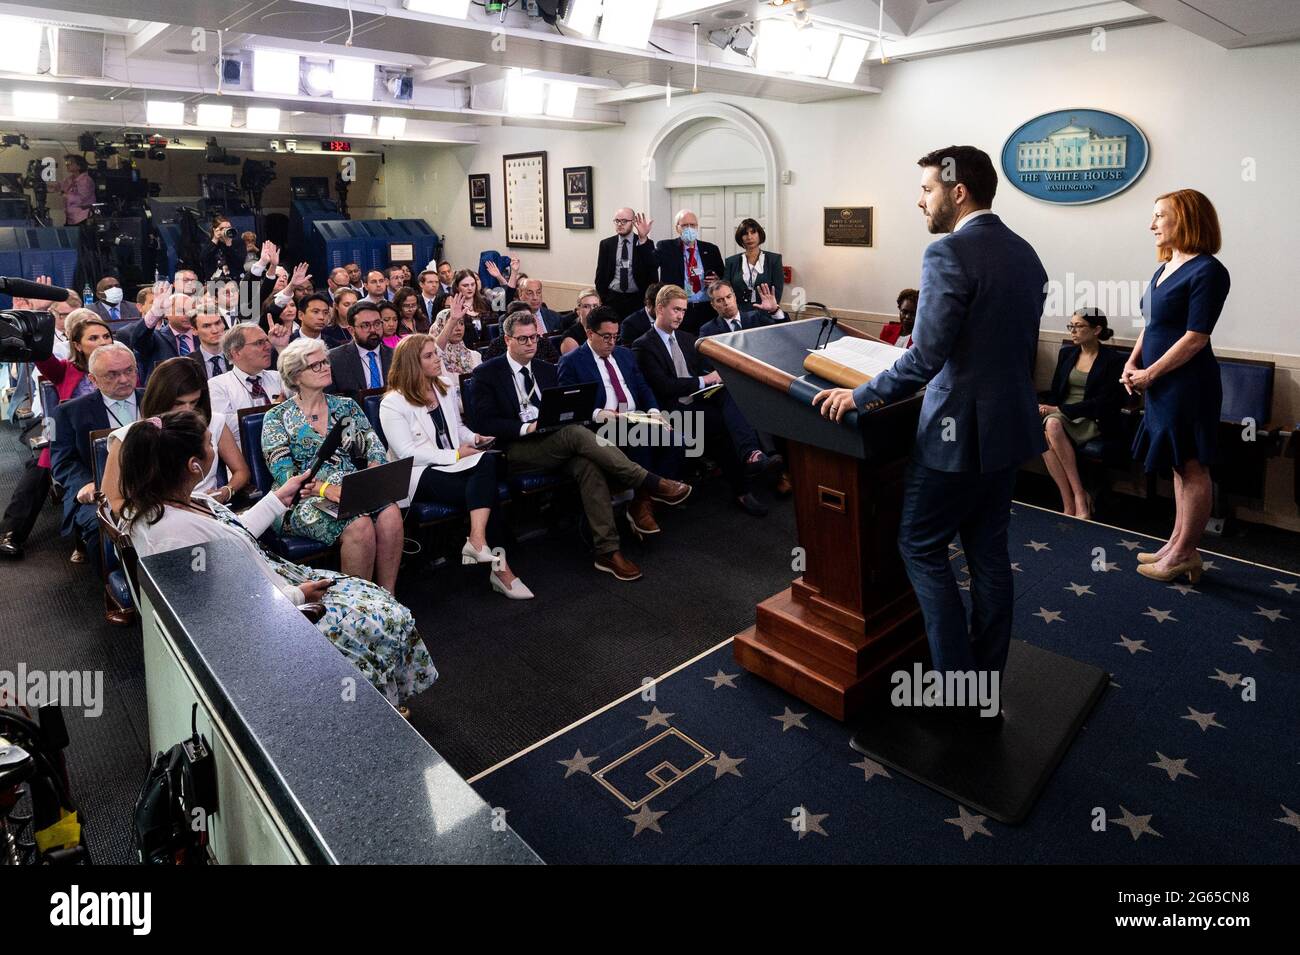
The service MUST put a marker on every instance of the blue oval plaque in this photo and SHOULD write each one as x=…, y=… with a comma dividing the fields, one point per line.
x=1074, y=156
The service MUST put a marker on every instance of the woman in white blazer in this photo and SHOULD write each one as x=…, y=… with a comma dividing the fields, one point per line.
x=421, y=420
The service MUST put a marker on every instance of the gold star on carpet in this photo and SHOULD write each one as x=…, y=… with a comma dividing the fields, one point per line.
x=646, y=818
x=1160, y=615
x=969, y=823
x=725, y=764
x=1184, y=589
x=1273, y=616
x=1016, y=567
x=1289, y=588
x=1130, y=545
x=1107, y=568
x=1038, y=545
x=1138, y=825
x=805, y=822
x=1048, y=615
x=1292, y=818
x=1203, y=720
x=579, y=764
x=1132, y=646
x=789, y=719
x=722, y=679
x=1229, y=679
x=1080, y=589
x=655, y=718
x=1174, y=767
x=871, y=768
x=1254, y=646
x=1207, y=565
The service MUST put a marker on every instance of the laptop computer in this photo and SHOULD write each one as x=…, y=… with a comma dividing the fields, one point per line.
x=369, y=489
x=565, y=405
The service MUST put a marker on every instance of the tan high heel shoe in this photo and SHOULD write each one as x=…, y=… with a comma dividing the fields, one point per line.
x=1192, y=568
x=1145, y=558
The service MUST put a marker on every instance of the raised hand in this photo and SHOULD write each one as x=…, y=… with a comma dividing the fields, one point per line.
x=643, y=226
x=300, y=276
x=494, y=271
x=456, y=305
x=279, y=335
x=270, y=253
x=767, y=299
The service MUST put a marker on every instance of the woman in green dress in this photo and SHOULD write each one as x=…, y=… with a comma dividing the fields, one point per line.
x=370, y=545
x=1083, y=403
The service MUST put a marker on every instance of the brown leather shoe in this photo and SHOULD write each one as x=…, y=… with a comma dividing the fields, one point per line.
x=641, y=515
x=618, y=565
x=783, y=484
x=671, y=492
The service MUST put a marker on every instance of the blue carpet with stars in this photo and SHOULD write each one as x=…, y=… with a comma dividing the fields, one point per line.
x=1191, y=756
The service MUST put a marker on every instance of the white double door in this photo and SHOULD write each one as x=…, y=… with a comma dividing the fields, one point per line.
x=720, y=209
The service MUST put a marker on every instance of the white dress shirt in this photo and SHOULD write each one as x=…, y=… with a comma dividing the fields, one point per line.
x=515, y=368
x=666, y=337
x=611, y=399
x=365, y=364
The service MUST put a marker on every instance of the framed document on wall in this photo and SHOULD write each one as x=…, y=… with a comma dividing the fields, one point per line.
x=526, y=204
x=577, y=198
x=480, y=200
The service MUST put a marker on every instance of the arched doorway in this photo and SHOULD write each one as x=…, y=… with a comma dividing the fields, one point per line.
x=723, y=157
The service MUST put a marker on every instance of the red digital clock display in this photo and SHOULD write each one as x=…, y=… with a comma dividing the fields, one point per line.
x=336, y=145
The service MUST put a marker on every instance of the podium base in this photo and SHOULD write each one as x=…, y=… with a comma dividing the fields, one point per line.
x=1045, y=699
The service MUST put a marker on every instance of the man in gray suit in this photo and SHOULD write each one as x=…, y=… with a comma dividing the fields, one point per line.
x=973, y=348
x=108, y=302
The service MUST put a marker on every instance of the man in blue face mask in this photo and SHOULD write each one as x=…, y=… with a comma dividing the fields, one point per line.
x=109, y=303
x=692, y=264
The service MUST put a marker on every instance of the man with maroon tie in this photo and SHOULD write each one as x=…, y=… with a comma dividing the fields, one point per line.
x=693, y=264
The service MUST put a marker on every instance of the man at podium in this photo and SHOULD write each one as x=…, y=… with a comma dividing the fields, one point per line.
x=974, y=342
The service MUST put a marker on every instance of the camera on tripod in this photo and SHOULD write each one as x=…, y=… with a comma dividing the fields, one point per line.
x=214, y=152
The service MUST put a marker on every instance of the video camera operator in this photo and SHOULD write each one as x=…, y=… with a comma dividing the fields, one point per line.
x=221, y=254
x=78, y=190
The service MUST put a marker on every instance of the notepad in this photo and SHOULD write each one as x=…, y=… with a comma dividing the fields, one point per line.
x=850, y=362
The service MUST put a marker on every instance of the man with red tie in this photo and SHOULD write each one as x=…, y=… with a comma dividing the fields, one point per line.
x=692, y=264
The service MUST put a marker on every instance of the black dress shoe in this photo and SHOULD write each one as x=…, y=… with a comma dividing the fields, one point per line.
x=751, y=505
x=10, y=548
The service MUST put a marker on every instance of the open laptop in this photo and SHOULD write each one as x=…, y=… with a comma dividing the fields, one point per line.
x=565, y=405
x=369, y=489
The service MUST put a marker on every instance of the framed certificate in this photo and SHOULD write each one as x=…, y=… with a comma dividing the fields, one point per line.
x=527, y=207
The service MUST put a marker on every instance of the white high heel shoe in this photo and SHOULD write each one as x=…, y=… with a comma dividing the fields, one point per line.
x=516, y=590
x=468, y=555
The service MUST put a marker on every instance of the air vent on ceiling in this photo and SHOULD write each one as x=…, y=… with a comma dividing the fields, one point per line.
x=77, y=52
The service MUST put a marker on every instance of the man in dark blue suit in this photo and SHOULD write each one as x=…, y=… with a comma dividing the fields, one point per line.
x=973, y=345
x=115, y=403
x=692, y=264
x=620, y=388
x=164, y=332
x=730, y=318
x=506, y=403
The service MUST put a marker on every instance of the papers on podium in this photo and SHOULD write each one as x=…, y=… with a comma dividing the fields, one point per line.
x=850, y=362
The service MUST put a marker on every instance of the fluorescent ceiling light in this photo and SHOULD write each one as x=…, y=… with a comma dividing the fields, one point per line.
x=561, y=98
x=29, y=104
x=264, y=119
x=215, y=114
x=163, y=113
x=627, y=22
x=275, y=71
x=524, y=94
x=358, y=124
x=22, y=44
x=848, y=59
x=390, y=127
x=354, y=79
x=456, y=9
x=784, y=48
x=582, y=16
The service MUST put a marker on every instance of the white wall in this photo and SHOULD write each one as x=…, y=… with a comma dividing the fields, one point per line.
x=1204, y=110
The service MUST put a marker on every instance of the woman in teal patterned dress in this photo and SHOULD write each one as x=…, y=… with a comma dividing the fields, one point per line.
x=162, y=459
x=370, y=545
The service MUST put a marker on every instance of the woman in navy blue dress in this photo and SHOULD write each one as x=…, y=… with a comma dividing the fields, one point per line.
x=1173, y=364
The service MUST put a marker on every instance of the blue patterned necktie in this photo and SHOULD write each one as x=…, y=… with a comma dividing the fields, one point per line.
x=183, y=344
x=376, y=380
x=114, y=313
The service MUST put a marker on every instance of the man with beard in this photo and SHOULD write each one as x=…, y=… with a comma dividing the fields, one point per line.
x=363, y=362
x=973, y=344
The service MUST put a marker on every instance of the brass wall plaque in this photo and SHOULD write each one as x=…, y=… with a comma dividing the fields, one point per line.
x=846, y=225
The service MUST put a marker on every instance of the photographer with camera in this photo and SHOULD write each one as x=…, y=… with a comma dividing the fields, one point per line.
x=78, y=190
x=221, y=254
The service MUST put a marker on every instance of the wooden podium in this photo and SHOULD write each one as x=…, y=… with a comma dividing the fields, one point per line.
x=836, y=634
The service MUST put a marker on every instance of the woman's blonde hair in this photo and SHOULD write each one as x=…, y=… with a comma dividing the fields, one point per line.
x=406, y=376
